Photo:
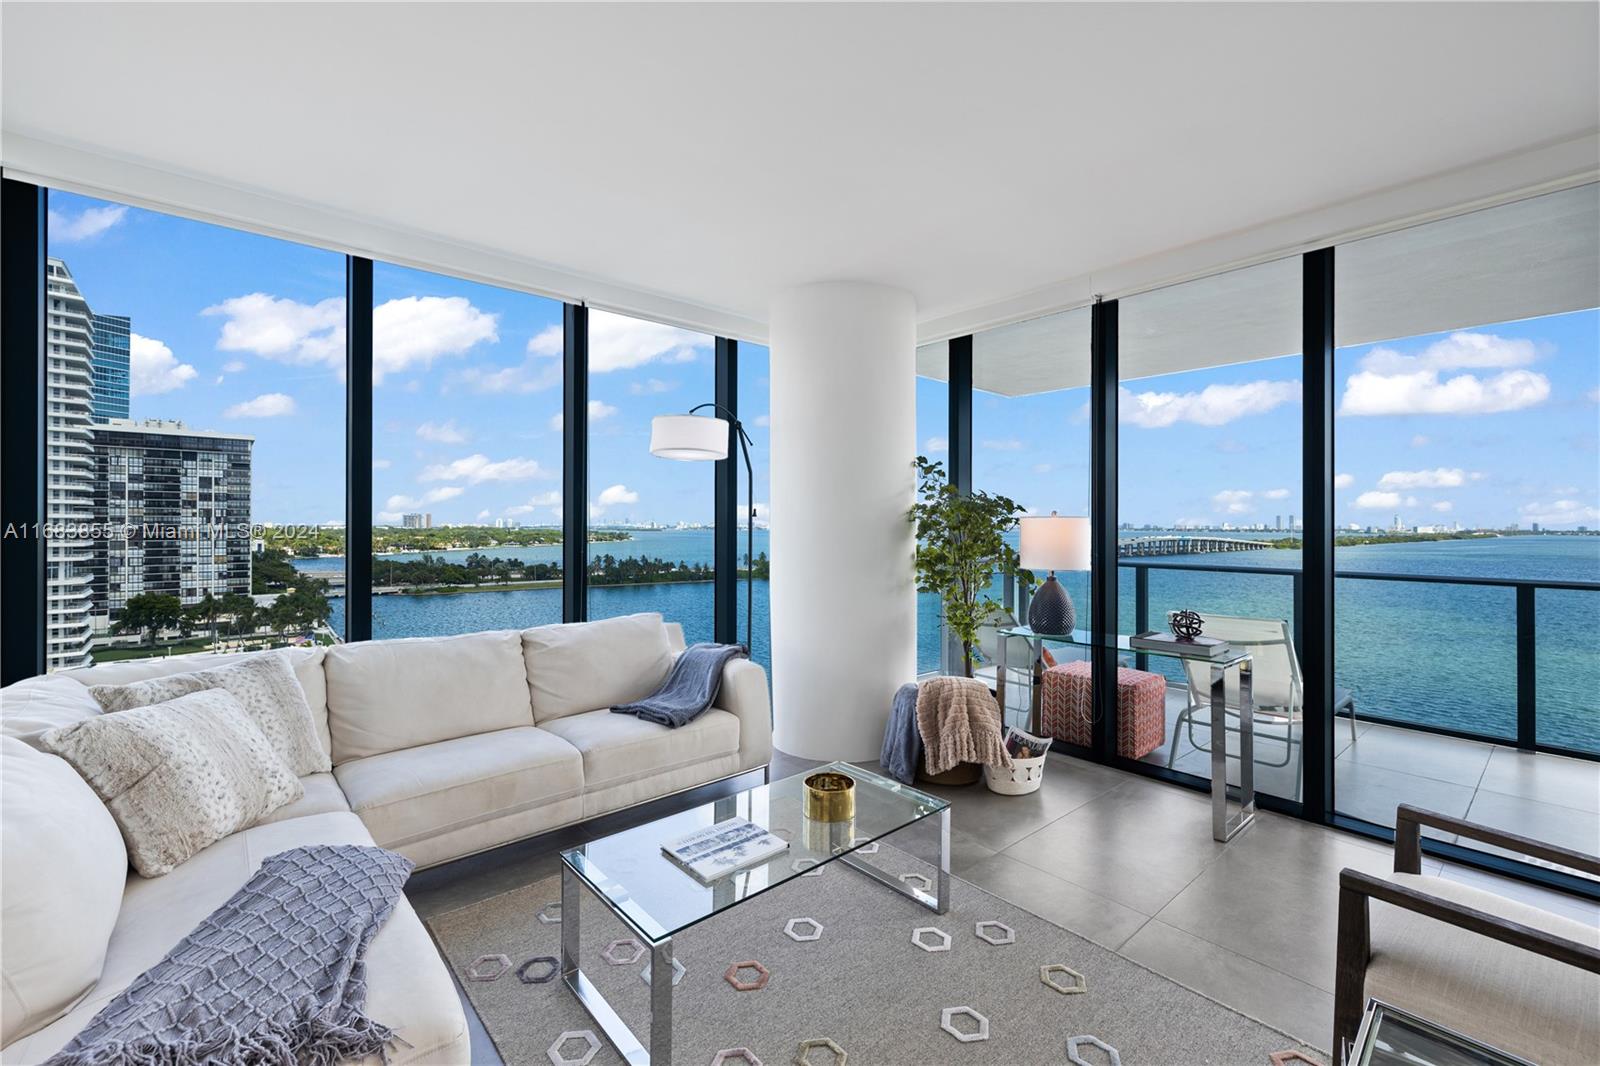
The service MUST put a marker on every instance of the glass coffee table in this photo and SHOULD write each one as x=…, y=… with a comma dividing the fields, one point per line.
x=656, y=899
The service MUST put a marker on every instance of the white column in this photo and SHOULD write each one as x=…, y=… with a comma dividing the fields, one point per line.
x=844, y=617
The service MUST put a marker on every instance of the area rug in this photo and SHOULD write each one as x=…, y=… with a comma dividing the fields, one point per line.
x=997, y=975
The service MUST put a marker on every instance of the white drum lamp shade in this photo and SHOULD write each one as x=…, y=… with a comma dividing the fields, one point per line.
x=691, y=438
x=1055, y=542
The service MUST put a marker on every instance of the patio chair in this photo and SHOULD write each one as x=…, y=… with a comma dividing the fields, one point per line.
x=1515, y=975
x=986, y=655
x=1277, y=689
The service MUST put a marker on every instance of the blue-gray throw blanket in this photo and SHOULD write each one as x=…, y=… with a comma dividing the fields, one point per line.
x=902, y=740
x=275, y=975
x=688, y=689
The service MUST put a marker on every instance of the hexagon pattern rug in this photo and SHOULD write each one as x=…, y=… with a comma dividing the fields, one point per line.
x=993, y=997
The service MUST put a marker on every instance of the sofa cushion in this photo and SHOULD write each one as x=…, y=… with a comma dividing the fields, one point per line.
x=307, y=664
x=409, y=795
x=408, y=986
x=322, y=795
x=178, y=776
x=1518, y=1001
x=60, y=888
x=264, y=684
x=387, y=695
x=584, y=666
x=620, y=747
x=31, y=708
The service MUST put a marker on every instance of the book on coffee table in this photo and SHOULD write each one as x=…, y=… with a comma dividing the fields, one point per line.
x=1157, y=641
x=719, y=850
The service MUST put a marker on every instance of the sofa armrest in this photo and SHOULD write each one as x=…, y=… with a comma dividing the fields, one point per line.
x=744, y=695
x=1409, y=820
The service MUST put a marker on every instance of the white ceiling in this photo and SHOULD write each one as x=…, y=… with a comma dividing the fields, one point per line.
x=717, y=154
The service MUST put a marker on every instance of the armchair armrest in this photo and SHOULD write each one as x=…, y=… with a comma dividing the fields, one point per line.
x=744, y=694
x=1408, y=825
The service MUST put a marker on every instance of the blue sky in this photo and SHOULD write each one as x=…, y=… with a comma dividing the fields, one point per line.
x=243, y=333
x=1487, y=426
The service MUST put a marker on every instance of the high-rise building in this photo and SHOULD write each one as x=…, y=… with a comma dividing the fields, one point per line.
x=1279, y=521
x=69, y=462
x=411, y=521
x=178, y=501
x=427, y=520
x=110, y=366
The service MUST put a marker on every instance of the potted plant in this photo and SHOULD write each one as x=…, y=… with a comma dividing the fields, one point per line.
x=961, y=547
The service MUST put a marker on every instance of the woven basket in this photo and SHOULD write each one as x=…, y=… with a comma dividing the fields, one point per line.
x=1025, y=776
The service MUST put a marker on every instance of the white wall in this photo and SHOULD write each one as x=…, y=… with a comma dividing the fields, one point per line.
x=844, y=620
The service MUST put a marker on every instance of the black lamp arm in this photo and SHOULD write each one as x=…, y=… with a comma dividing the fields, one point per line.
x=750, y=524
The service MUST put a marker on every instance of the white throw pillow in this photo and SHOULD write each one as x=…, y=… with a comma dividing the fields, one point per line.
x=34, y=706
x=178, y=776
x=575, y=667
x=60, y=888
x=264, y=684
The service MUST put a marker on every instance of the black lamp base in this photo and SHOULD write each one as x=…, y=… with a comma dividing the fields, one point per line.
x=1051, y=610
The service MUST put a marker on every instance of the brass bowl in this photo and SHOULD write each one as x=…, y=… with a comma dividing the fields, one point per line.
x=830, y=797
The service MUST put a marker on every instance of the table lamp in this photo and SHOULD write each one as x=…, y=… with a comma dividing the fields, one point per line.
x=699, y=438
x=1056, y=542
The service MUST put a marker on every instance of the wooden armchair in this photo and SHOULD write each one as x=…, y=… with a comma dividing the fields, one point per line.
x=1510, y=974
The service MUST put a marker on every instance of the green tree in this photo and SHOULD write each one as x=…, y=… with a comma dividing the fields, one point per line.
x=149, y=613
x=960, y=548
x=271, y=570
x=243, y=611
x=205, y=612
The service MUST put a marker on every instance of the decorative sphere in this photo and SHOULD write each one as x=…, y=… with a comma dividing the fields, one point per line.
x=1186, y=624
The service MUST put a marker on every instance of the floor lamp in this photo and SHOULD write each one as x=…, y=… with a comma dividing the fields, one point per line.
x=698, y=438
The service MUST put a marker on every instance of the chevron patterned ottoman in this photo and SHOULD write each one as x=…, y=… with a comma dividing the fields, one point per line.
x=1141, y=708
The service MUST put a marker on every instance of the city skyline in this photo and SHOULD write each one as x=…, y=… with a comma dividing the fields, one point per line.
x=467, y=401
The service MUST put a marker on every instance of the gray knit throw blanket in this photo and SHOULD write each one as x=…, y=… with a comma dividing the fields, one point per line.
x=275, y=975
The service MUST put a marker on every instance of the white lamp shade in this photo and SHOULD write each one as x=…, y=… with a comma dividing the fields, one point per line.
x=1055, y=542
x=689, y=437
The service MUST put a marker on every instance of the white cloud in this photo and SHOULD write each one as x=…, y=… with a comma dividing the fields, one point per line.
x=1214, y=405
x=153, y=369
x=381, y=464
x=478, y=468
x=934, y=445
x=1560, y=513
x=618, y=342
x=233, y=366
x=416, y=330
x=612, y=496
x=411, y=503
x=1042, y=468
x=1442, y=506
x=651, y=387
x=543, y=499
x=549, y=342
x=1390, y=383
x=761, y=420
x=1233, y=501
x=267, y=405
x=1419, y=441
x=483, y=514
x=1343, y=481
x=442, y=432
x=597, y=411
x=1275, y=494
x=407, y=332
x=1439, y=478
x=1007, y=444
x=89, y=223
x=531, y=375
x=1378, y=500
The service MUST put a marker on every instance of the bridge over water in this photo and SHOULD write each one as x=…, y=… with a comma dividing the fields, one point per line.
x=1187, y=544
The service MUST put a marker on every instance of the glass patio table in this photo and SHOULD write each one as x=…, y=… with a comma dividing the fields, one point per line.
x=1223, y=827
x=656, y=899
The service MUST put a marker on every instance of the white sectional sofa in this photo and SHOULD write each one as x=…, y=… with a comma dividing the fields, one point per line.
x=441, y=747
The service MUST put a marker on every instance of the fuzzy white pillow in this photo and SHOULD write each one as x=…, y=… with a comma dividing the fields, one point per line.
x=264, y=684
x=178, y=776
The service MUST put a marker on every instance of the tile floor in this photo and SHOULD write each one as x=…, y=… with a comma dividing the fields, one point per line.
x=1130, y=864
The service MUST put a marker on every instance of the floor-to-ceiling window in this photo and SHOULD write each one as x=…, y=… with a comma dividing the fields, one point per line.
x=755, y=394
x=1468, y=376
x=933, y=442
x=1208, y=499
x=651, y=520
x=1030, y=442
x=466, y=456
x=194, y=435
